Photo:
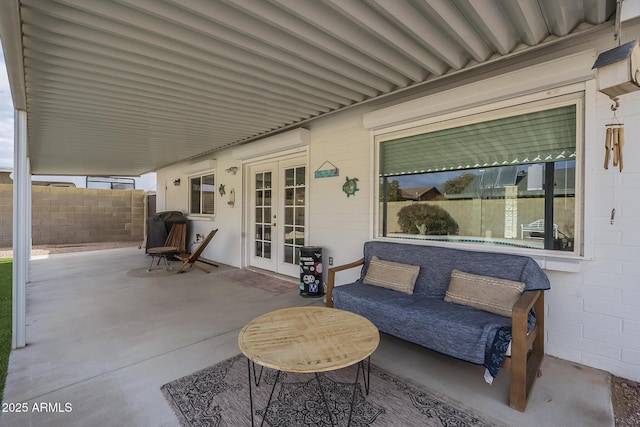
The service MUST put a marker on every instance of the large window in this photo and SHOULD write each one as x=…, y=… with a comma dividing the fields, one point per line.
x=509, y=180
x=202, y=192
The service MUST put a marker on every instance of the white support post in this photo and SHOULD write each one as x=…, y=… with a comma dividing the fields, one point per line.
x=29, y=217
x=21, y=228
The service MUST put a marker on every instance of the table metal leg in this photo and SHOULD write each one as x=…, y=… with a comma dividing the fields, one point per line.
x=266, y=409
x=257, y=382
x=324, y=399
x=257, y=378
x=366, y=378
x=250, y=391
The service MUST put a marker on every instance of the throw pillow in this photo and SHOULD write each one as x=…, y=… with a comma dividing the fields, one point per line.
x=391, y=275
x=487, y=293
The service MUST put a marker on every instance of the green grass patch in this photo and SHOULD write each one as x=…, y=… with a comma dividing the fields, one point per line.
x=5, y=319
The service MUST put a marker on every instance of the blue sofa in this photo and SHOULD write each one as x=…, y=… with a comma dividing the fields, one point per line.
x=464, y=332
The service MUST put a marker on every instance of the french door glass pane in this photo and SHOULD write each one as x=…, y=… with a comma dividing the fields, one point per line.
x=288, y=196
x=263, y=214
x=299, y=219
x=288, y=215
x=300, y=176
x=289, y=178
x=288, y=254
x=294, y=213
x=267, y=250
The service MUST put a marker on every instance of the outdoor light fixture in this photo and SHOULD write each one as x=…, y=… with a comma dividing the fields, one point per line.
x=232, y=169
x=232, y=198
x=619, y=70
x=176, y=182
x=618, y=73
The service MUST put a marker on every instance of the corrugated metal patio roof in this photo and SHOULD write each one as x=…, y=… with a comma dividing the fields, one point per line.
x=125, y=87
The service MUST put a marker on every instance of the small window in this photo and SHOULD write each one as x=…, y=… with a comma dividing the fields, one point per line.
x=509, y=181
x=111, y=183
x=202, y=194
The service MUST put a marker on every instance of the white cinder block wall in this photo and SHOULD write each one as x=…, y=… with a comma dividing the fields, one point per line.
x=592, y=315
x=339, y=223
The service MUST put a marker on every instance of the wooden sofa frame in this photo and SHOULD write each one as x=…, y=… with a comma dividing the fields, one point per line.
x=527, y=350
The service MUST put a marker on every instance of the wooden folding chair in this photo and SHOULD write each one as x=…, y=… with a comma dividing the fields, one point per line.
x=177, y=237
x=173, y=245
x=195, y=256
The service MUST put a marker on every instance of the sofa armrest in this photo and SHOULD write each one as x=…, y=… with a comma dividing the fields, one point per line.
x=525, y=302
x=527, y=351
x=332, y=278
x=521, y=338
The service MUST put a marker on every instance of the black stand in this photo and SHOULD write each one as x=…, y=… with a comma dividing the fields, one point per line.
x=366, y=378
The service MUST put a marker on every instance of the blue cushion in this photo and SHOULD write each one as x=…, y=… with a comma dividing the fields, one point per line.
x=436, y=264
x=453, y=329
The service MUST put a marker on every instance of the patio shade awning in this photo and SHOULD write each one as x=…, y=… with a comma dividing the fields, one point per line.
x=542, y=136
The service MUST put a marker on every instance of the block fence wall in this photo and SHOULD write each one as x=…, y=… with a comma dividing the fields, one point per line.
x=64, y=215
x=476, y=217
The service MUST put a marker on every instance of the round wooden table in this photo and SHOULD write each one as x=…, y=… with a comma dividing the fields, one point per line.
x=308, y=340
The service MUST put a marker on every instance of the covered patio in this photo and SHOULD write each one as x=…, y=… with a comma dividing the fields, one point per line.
x=106, y=342
x=204, y=89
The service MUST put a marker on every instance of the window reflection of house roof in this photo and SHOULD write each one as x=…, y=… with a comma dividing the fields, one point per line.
x=420, y=193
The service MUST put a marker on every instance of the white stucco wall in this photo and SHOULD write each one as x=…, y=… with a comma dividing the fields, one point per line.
x=592, y=310
x=226, y=246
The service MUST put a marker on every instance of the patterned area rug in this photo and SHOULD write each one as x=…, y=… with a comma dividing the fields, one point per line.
x=219, y=396
x=261, y=281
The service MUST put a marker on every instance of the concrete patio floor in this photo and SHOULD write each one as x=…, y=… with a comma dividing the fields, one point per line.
x=105, y=342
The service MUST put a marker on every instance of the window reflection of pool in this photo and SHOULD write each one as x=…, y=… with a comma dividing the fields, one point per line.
x=533, y=244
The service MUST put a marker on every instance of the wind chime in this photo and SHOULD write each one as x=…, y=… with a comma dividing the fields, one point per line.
x=614, y=139
x=618, y=73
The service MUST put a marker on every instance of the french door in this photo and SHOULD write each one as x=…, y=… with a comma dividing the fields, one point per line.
x=277, y=215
